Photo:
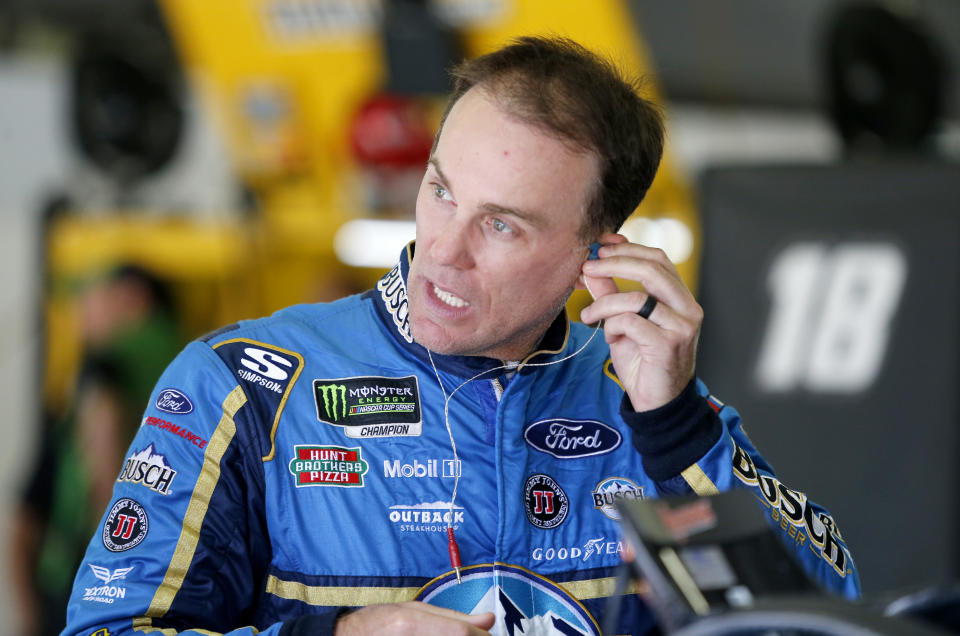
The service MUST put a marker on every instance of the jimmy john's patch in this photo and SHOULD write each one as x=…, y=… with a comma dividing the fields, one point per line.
x=126, y=525
x=370, y=406
x=545, y=501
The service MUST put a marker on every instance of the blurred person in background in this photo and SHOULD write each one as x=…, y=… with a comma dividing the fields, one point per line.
x=128, y=335
x=436, y=454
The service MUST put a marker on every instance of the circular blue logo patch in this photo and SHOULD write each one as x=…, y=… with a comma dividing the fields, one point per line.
x=523, y=602
x=611, y=489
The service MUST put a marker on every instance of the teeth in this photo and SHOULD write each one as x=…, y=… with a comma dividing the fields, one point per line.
x=449, y=298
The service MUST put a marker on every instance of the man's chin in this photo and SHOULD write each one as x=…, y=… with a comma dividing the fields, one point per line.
x=441, y=341
x=438, y=344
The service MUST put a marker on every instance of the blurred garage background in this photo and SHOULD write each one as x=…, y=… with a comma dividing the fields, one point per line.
x=249, y=155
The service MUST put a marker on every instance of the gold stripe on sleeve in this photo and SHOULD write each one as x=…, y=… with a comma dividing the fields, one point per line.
x=608, y=371
x=698, y=480
x=197, y=508
x=332, y=596
x=145, y=625
x=595, y=588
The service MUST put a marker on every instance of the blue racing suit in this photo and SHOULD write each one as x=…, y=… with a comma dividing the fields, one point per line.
x=290, y=467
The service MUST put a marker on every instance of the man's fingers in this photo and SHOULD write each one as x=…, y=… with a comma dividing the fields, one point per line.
x=484, y=621
x=413, y=618
x=630, y=303
x=670, y=291
x=643, y=252
x=475, y=619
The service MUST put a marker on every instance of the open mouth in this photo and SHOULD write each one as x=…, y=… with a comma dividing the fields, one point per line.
x=449, y=299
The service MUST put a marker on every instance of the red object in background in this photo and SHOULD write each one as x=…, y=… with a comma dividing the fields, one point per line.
x=390, y=130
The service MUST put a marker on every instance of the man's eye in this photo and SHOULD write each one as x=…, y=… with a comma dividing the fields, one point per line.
x=500, y=226
x=441, y=193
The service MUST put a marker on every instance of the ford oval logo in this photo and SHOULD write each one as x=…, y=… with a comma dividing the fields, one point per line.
x=567, y=439
x=174, y=401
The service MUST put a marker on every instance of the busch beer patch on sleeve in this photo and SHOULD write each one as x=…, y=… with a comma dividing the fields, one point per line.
x=370, y=406
x=327, y=466
x=148, y=468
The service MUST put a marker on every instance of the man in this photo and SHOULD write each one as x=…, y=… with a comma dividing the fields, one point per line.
x=334, y=456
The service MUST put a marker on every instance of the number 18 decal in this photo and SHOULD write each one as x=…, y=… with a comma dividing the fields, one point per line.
x=830, y=316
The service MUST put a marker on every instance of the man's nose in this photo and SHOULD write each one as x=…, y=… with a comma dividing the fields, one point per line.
x=453, y=245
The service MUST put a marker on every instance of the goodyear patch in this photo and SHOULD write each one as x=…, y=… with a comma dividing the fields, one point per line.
x=370, y=406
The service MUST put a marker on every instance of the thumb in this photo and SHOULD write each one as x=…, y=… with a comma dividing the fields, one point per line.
x=483, y=621
x=599, y=286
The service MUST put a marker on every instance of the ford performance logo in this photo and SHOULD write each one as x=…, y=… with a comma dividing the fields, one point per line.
x=567, y=439
x=173, y=401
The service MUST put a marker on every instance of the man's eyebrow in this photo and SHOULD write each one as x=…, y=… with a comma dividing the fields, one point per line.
x=436, y=166
x=529, y=217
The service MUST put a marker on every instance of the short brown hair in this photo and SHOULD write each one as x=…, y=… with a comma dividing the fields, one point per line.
x=568, y=91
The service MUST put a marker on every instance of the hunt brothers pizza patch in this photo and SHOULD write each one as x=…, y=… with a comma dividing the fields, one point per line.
x=370, y=406
x=328, y=466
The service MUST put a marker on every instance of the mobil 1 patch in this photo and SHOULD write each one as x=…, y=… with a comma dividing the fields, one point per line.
x=370, y=406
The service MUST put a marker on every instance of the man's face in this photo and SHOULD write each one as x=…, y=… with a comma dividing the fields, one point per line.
x=498, y=216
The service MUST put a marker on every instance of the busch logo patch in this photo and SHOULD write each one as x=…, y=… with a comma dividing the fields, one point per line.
x=793, y=512
x=173, y=401
x=545, y=501
x=370, y=406
x=570, y=439
x=610, y=490
x=148, y=468
x=328, y=466
x=393, y=291
x=126, y=525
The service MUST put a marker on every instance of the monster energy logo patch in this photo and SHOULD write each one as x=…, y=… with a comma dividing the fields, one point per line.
x=370, y=406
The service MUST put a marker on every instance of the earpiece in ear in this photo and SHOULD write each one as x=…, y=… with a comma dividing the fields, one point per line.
x=594, y=251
